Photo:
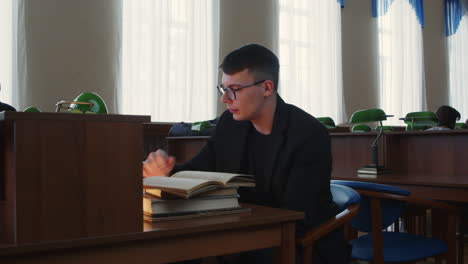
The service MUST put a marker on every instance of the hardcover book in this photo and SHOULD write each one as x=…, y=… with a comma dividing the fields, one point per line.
x=160, y=207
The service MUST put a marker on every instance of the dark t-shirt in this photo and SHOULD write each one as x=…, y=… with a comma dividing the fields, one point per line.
x=254, y=164
x=6, y=107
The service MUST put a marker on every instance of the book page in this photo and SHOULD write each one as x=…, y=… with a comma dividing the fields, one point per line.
x=174, y=183
x=212, y=176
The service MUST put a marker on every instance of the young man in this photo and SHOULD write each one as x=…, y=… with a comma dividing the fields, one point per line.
x=286, y=148
x=447, y=116
x=6, y=107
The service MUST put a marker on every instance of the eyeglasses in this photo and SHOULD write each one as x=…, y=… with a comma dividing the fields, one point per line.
x=231, y=92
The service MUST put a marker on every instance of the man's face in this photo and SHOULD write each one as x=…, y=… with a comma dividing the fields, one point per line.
x=249, y=101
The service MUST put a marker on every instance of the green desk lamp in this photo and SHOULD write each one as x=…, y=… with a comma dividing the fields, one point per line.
x=32, y=109
x=460, y=126
x=367, y=116
x=84, y=103
x=420, y=120
x=327, y=122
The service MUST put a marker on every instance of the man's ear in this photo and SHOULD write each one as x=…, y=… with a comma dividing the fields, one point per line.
x=269, y=88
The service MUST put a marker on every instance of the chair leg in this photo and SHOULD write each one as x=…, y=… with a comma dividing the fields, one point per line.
x=452, y=238
x=443, y=227
x=376, y=217
x=306, y=257
x=438, y=259
x=350, y=233
x=461, y=237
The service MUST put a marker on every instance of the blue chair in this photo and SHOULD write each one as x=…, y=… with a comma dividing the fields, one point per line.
x=347, y=201
x=381, y=206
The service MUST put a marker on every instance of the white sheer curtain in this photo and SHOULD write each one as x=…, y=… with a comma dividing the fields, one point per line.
x=458, y=68
x=169, y=59
x=401, y=62
x=6, y=51
x=310, y=56
x=13, y=73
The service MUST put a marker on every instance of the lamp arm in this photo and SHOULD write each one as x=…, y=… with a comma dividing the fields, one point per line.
x=374, y=143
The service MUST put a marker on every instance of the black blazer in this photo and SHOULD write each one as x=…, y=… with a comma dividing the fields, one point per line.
x=298, y=159
x=6, y=107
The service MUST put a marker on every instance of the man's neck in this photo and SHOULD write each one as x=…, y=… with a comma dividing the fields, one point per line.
x=264, y=124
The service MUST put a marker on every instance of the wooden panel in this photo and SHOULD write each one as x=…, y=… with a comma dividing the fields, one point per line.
x=66, y=177
x=7, y=223
x=430, y=153
x=73, y=175
x=352, y=150
x=115, y=185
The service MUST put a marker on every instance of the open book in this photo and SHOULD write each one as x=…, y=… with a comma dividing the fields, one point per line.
x=189, y=183
x=219, y=192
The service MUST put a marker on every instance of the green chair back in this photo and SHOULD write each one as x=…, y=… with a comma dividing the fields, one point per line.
x=361, y=128
x=327, y=122
x=417, y=128
x=420, y=120
x=460, y=126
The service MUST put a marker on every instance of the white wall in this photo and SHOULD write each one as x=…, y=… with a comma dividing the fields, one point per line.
x=244, y=22
x=435, y=55
x=70, y=48
x=360, y=49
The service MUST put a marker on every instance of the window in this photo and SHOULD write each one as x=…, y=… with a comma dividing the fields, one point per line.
x=169, y=59
x=6, y=50
x=457, y=31
x=310, y=56
x=401, y=62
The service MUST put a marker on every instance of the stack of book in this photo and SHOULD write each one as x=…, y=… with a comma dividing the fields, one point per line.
x=371, y=171
x=188, y=194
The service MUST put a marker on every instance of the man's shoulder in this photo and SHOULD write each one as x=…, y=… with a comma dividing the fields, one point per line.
x=6, y=107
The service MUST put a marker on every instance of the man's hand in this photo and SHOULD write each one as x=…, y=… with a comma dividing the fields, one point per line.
x=158, y=163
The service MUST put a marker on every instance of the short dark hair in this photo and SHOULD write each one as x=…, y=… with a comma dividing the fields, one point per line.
x=260, y=61
x=447, y=116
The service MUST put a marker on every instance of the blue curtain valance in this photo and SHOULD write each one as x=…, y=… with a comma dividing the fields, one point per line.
x=341, y=3
x=380, y=8
x=454, y=10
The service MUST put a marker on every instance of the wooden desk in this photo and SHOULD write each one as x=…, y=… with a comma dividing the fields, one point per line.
x=430, y=164
x=172, y=241
x=444, y=187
